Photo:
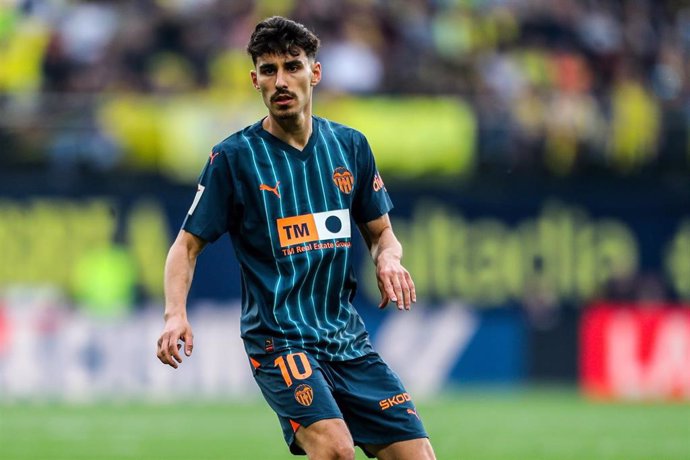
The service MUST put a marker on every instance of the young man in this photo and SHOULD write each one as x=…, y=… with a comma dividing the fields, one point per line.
x=285, y=189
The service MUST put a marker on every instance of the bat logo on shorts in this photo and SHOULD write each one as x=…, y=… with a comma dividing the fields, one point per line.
x=304, y=395
x=343, y=179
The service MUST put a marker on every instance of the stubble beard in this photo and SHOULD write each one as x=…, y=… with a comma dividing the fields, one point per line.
x=286, y=114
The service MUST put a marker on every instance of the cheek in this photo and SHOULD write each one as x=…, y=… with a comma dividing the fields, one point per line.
x=306, y=86
x=265, y=96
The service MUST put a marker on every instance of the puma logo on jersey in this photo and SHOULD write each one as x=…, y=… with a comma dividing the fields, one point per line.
x=268, y=188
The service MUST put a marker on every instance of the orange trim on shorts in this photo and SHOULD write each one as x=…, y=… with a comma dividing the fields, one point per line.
x=295, y=425
x=254, y=362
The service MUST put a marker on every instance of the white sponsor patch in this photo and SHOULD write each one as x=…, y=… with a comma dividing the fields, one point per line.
x=333, y=224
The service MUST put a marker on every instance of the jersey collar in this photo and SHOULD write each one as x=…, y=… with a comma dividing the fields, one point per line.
x=282, y=145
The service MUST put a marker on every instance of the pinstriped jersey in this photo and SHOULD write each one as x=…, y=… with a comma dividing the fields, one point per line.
x=289, y=214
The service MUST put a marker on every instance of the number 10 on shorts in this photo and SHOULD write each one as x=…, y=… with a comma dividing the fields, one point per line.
x=290, y=369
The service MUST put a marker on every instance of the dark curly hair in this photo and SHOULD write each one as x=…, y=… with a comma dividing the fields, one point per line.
x=278, y=35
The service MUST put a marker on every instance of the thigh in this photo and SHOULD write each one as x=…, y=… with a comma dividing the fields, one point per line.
x=295, y=387
x=328, y=438
x=413, y=449
x=377, y=408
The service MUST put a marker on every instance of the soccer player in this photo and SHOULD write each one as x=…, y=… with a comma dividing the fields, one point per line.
x=286, y=189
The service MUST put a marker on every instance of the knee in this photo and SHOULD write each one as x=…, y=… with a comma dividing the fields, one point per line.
x=327, y=440
x=340, y=450
x=334, y=450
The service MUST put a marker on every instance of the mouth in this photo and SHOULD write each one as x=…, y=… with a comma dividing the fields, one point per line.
x=282, y=99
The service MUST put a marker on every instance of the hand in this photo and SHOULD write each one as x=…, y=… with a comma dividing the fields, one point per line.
x=176, y=328
x=395, y=283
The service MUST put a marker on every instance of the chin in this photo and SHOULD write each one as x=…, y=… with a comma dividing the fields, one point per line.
x=285, y=114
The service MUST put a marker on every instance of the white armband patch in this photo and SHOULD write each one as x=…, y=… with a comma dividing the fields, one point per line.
x=199, y=191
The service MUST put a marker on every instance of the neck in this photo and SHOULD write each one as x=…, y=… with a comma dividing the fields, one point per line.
x=294, y=131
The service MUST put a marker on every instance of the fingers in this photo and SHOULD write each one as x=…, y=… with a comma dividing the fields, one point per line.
x=410, y=285
x=384, y=300
x=169, y=350
x=174, y=350
x=164, y=349
x=188, y=340
x=397, y=287
x=398, y=296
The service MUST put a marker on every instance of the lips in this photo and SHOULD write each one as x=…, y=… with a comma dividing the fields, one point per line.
x=282, y=98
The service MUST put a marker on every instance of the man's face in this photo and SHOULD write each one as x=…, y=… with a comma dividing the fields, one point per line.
x=286, y=82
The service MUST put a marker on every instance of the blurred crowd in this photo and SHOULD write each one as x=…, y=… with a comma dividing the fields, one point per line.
x=558, y=87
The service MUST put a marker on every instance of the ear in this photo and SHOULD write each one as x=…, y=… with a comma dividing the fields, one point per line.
x=255, y=81
x=315, y=73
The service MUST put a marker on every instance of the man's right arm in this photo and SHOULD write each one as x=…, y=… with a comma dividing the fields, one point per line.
x=179, y=272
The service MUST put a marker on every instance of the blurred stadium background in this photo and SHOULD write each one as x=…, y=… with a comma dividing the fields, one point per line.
x=538, y=155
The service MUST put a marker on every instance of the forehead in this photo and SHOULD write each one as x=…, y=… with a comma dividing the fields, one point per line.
x=278, y=59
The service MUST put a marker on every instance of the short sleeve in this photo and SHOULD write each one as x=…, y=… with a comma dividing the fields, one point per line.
x=209, y=215
x=371, y=199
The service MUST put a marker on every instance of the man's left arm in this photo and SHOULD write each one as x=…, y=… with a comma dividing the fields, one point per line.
x=394, y=281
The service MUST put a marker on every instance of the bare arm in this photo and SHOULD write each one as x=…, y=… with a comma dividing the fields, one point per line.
x=395, y=282
x=179, y=271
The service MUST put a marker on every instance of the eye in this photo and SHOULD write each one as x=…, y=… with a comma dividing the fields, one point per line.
x=267, y=70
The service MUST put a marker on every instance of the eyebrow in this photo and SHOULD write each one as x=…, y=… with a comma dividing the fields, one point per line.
x=264, y=67
x=271, y=66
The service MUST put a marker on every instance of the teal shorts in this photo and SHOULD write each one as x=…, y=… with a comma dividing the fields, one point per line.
x=364, y=392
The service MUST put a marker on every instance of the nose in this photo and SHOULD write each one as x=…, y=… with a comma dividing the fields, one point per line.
x=280, y=79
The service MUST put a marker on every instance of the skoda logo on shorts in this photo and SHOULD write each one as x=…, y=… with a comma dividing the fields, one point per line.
x=304, y=395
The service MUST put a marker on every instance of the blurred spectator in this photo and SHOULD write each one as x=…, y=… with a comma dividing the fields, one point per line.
x=104, y=281
x=561, y=87
x=634, y=124
x=351, y=63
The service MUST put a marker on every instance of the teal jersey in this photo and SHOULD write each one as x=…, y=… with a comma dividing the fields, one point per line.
x=289, y=214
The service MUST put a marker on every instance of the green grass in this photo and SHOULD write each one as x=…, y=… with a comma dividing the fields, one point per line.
x=474, y=426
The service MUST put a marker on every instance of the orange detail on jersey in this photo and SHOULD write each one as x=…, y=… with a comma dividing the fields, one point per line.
x=343, y=179
x=213, y=156
x=254, y=362
x=294, y=425
x=267, y=188
x=378, y=183
x=296, y=230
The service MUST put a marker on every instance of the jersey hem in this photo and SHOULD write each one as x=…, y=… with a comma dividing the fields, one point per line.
x=256, y=352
